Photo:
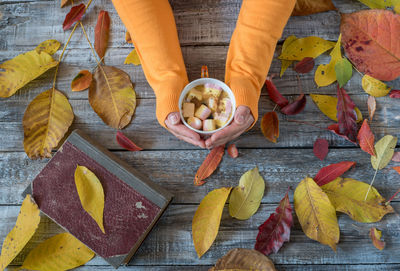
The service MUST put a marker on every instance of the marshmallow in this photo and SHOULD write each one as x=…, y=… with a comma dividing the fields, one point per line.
x=208, y=125
x=194, y=93
x=203, y=112
x=194, y=122
x=188, y=110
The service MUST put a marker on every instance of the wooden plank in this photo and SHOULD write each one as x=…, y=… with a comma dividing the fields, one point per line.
x=175, y=170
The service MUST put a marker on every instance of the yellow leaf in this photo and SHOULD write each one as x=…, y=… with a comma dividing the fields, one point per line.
x=374, y=87
x=91, y=194
x=26, y=225
x=207, y=218
x=60, y=252
x=327, y=105
x=246, y=197
x=112, y=96
x=46, y=120
x=22, y=69
x=132, y=58
x=286, y=63
x=384, y=149
x=347, y=196
x=325, y=73
x=383, y=4
x=306, y=47
x=316, y=214
x=48, y=46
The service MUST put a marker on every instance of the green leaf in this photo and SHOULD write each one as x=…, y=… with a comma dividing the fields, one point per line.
x=384, y=149
x=344, y=71
x=246, y=197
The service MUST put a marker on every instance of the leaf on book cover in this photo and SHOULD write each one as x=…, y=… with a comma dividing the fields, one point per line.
x=233, y=151
x=209, y=165
x=384, y=149
x=126, y=143
x=26, y=225
x=81, y=81
x=306, y=47
x=296, y=106
x=374, y=87
x=371, y=107
x=91, y=194
x=102, y=33
x=346, y=115
x=274, y=93
x=270, y=126
x=331, y=172
x=60, y=252
x=48, y=46
x=307, y=7
x=376, y=236
x=206, y=220
x=366, y=138
x=325, y=73
x=321, y=148
x=75, y=14
x=305, y=65
x=132, y=58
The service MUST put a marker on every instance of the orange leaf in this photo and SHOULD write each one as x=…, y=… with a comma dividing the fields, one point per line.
x=209, y=165
x=74, y=15
x=101, y=33
x=128, y=38
x=397, y=169
x=233, y=151
x=366, y=138
x=270, y=126
x=371, y=107
x=64, y=2
x=375, y=236
x=367, y=38
x=81, y=81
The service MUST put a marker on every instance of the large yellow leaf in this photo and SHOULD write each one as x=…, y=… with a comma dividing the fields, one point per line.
x=246, y=197
x=347, y=195
x=132, y=58
x=374, y=87
x=91, y=194
x=112, y=96
x=46, y=120
x=60, y=252
x=325, y=73
x=384, y=149
x=286, y=63
x=48, y=46
x=316, y=214
x=26, y=225
x=306, y=47
x=22, y=69
x=207, y=218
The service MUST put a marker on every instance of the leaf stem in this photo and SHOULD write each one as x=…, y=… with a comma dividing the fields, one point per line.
x=90, y=44
x=395, y=194
x=306, y=123
x=372, y=182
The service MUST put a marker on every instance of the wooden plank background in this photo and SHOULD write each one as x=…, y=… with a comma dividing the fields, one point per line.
x=204, y=29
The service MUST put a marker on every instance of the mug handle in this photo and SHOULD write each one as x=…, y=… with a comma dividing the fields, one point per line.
x=204, y=71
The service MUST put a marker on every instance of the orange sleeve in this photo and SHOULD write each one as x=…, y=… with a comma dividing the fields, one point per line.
x=258, y=28
x=151, y=25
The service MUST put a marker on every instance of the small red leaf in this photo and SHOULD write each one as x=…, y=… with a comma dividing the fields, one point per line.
x=366, y=138
x=270, y=126
x=276, y=229
x=81, y=81
x=335, y=129
x=394, y=94
x=209, y=165
x=375, y=236
x=331, y=172
x=274, y=94
x=296, y=107
x=321, y=148
x=74, y=15
x=126, y=143
x=233, y=151
x=371, y=107
x=346, y=115
x=101, y=33
x=396, y=157
x=305, y=65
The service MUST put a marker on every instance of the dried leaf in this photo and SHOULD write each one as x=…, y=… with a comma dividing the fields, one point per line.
x=316, y=214
x=374, y=87
x=128, y=38
x=325, y=73
x=335, y=129
x=346, y=115
x=241, y=259
x=246, y=197
x=102, y=33
x=368, y=37
x=274, y=94
x=321, y=148
x=46, y=120
x=270, y=126
x=126, y=143
x=276, y=229
x=286, y=63
x=64, y=2
x=306, y=47
x=233, y=151
x=48, y=46
x=348, y=196
x=91, y=194
x=371, y=107
x=376, y=236
x=81, y=81
x=75, y=14
x=22, y=69
x=344, y=71
x=62, y=252
x=209, y=165
x=207, y=218
x=112, y=96
x=305, y=66
x=26, y=225
x=394, y=94
x=366, y=138
x=295, y=107
x=331, y=172
x=384, y=149
x=132, y=58
x=396, y=157
x=307, y=7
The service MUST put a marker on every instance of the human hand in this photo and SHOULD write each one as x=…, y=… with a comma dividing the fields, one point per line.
x=178, y=129
x=242, y=120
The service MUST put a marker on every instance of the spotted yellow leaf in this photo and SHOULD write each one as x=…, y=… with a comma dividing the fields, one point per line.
x=306, y=47
x=286, y=63
x=325, y=73
x=48, y=46
x=374, y=87
x=132, y=58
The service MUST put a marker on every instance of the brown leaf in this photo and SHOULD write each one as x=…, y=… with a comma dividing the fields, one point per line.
x=233, y=151
x=74, y=15
x=126, y=143
x=128, y=38
x=371, y=107
x=307, y=7
x=81, y=81
x=101, y=33
x=209, y=165
x=366, y=138
x=346, y=115
x=305, y=66
x=64, y=2
x=331, y=172
x=295, y=107
x=270, y=126
x=375, y=236
x=321, y=148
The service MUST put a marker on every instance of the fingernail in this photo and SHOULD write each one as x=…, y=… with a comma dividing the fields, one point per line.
x=173, y=118
x=240, y=119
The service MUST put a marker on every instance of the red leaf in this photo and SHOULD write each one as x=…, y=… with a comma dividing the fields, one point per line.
x=233, y=151
x=101, y=33
x=276, y=229
x=126, y=143
x=366, y=138
x=74, y=15
x=396, y=157
x=305, y=65
x=321, y=148
x=270, y=126
x=296, y=107
x=209, y=165
x=335, y=129
x=375, y=236
x=371, y=107
x=274, y=94
x=331, y=172
x=346, y=115
x=395, y=94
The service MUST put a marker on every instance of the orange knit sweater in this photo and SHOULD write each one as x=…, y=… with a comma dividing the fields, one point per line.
x=152, y=28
